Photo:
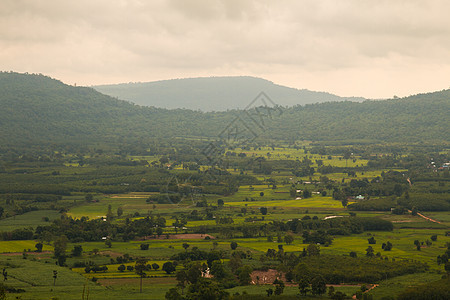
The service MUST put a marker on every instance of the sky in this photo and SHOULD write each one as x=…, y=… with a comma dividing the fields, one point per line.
x=373, y=49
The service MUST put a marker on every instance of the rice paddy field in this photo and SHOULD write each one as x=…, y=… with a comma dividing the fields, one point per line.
x=33, y=271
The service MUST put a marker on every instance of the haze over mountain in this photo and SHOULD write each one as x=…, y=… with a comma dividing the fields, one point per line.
x=37, y=110
x=213, y=93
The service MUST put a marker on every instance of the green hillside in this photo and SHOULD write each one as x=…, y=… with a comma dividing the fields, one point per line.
x=40, y=110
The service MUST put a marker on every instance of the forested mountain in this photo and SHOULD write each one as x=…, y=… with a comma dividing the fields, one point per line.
x=213, y=93
x=37, y=110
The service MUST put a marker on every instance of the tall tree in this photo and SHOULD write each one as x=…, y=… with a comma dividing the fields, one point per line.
x=318, y=285
x=139, y=269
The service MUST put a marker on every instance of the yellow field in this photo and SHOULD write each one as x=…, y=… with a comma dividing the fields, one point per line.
x=19, y=246
x=319, y=201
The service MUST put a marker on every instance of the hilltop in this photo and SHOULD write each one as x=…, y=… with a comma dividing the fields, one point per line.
x=213, y=93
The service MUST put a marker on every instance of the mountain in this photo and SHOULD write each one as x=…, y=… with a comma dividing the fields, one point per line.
x=38, y=111
x=213, y=93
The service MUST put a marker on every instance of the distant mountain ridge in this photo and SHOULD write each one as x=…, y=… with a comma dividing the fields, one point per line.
x=40, y=111
x=213, y=93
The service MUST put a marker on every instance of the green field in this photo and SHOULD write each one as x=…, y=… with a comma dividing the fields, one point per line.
x=29, y=219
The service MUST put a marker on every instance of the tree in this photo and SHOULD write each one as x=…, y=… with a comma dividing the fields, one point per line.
x=288, y=239
x=261, y=194
x=194, y=272
x=330, y=291
x=119, y=211
x=220, y=203
x=293, y=192
x=55, y=275
x=372, y=240
x=121, y=268
x=289, y=276
x=155, y=266
x=388, y=246
x=179, y=223
x=205, y=289
x=353, y=254
x=447, y=267
x=60, y=245
x=159, y=231
x=109, y=214
x=235, y=263
x=303, y=286
x=306, y=194
x=5, y=274
x=139, y=269
x=212, y=256
x=346, y=156
x=168, y=267
x=233, y=245
x=185, y=246
x=144, y=246
x=279, y=286
x=182, y=280
x=369, y=252
x=344, y=202
x=39, y=247
x=173, y=294
x=108, y=243
x=244, y=275
x=77, y=250
x=218, y=270
x=313, y=250
x=434, y=237
x=164, y=160
x=263, y=210
x=318, y=285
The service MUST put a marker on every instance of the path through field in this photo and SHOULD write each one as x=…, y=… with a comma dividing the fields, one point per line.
x=426, y=218
x=429, y=219
x=368, y=290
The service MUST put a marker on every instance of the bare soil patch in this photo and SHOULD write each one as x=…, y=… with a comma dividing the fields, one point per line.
x=184, y=236
x=267, y=277
x=111, y=253
x=135, y=281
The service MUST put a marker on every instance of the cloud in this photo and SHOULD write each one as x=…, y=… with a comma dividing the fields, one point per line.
x=326, y=45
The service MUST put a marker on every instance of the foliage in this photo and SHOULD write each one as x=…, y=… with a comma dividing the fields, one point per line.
x=336, y=269
x=438, y=290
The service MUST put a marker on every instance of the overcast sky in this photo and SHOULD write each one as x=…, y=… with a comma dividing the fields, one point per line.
x=374, y=49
